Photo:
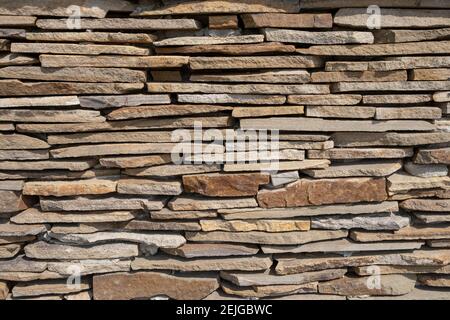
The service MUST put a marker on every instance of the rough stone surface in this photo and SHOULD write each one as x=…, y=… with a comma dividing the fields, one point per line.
x=125, y=286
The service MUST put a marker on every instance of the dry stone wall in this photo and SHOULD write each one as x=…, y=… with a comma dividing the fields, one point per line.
x=358, y=208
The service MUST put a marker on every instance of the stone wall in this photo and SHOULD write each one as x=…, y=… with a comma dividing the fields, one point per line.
x=358, y=204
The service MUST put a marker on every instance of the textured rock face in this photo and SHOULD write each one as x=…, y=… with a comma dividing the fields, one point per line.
x=224, y=149
x=123, y=286
x=328, y=191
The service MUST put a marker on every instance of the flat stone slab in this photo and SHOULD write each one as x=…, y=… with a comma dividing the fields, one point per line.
x=253, y=263
x=344, y=209
x=343, y=245
x=258, y=237
x=199, y=250
x=326, y=37
x=103, y=203
x=43, y=250
x=126, y=286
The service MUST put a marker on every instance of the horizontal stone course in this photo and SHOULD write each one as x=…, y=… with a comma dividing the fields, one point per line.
x=224, y=150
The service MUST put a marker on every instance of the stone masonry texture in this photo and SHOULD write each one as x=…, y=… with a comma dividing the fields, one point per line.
x=111, y=163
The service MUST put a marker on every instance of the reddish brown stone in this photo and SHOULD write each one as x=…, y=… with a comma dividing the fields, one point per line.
x=125, y=286
x=225, y=185
x=327, y=191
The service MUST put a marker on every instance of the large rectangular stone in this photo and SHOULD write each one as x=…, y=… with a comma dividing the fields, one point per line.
x=307, y=192
x=391, y=49
x=278, y=76
x=103, y=203
x=19, y=88
x=18, y=21
x=229, y=49
x=59, y=8
x=368, y=139
x=325, y=37
x=88, y=49
x=225, y=185
x=201, y=203
x=321, y=100
x=180, y=87
x=205, y=40
x=393, y=35
x=218, y=6
x=389, y=113
x=69, y=188
x=309, y=124
x=121, y=24
x=60, y=61
x=141, y=124
x=267, y=62
x=50, y=116
x=74, y=74
x=257, y=99
x=406, y=86
x=282, y=20
x=100, y=37
x=258, y=237
x=359, y=153
x=359, y=76
x=140, y=285
x=394, y=18
x=162, y=262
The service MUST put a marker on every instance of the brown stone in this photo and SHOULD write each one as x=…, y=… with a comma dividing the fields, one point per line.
x=256, y=225
x=225, y=185
x=321, y=100
x=408, y=233
x=282, y=20
x=135, y=162
x=289, y=62
x=34, y=215
x=259, y=237
x=223, y=22
x=48, y=287
x=429, y=156
x=198, y=250
x=162, y=262
x=359, y=76
x=74, y=74
x=429, y=205
x=230, y=49
x=144, y=285
x=21, y=142
x=391, y=285
x=112, y=61
x=18, y=88
x=393, y=18
x=101, y=37
x=435, y=280
x=327, y=191
x=13, y=201
x=150, y=187
x=121, y=24
x=69, y=188
x=59, y=8
x=268, y=291
x=218, y=6
x=12, y=59
x=200, y=203
x=391, y=49
x=88, y=49
x=360, y=153
x=163, y=111
x=45, y=251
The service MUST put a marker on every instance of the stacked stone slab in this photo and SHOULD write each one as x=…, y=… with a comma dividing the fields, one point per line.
x=91, y=116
